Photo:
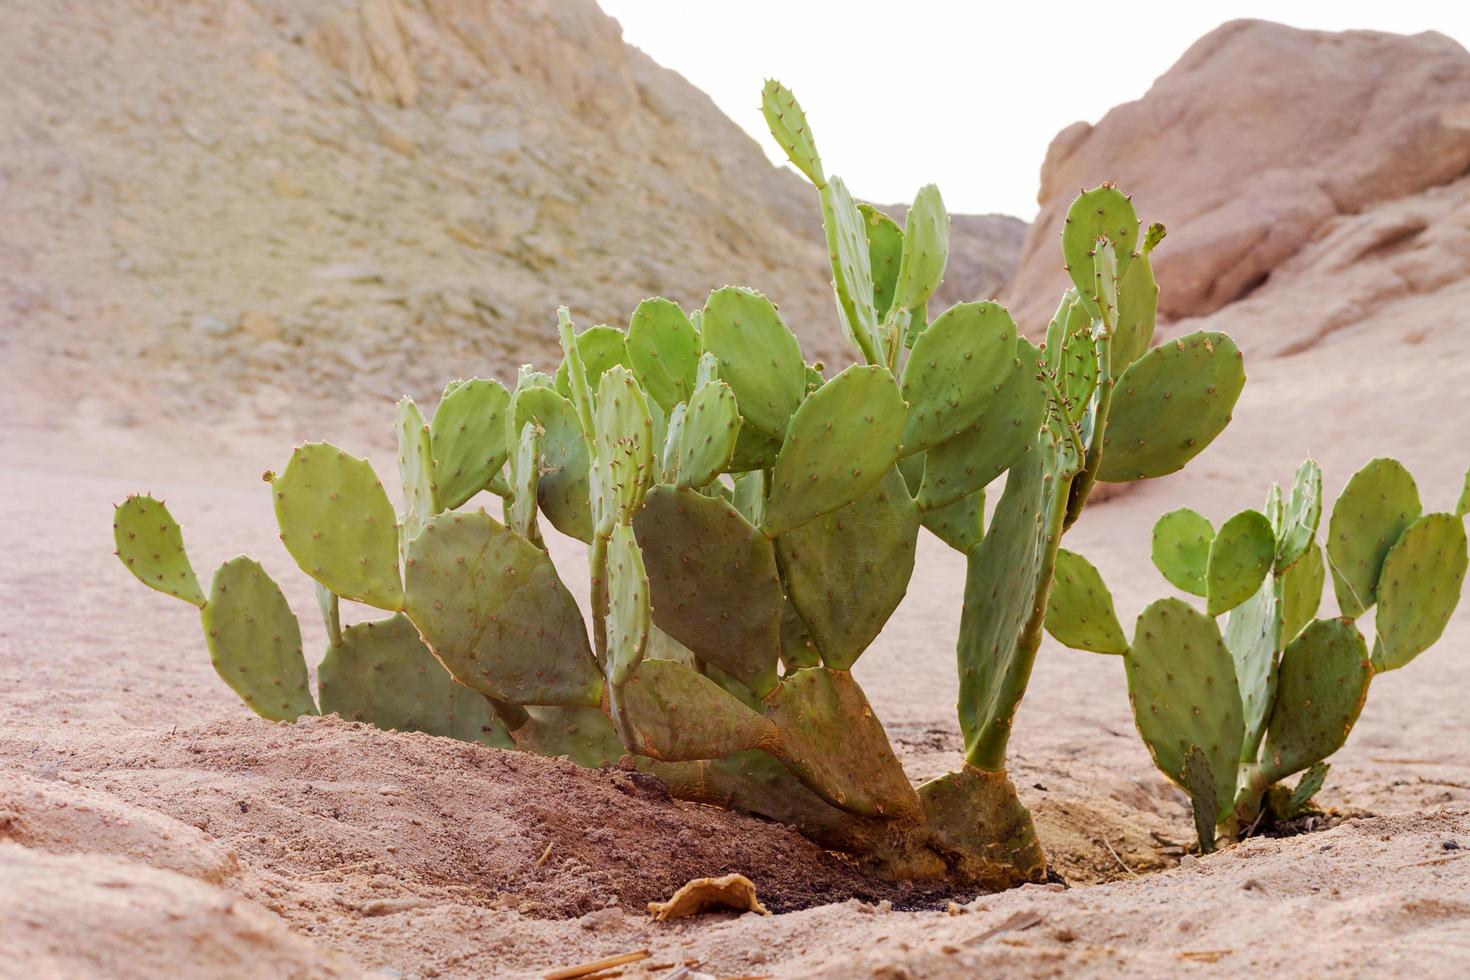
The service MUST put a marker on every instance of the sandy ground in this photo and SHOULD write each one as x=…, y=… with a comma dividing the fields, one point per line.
x=327, y=848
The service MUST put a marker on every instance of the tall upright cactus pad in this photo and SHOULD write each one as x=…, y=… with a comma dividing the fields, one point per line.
x=562, y=485
x=847, y=571
x=1006, y=430
x=255, y=641
x=1301, y=592
x=1373, y=511
x=1170, y=405
x=1320, y=690
x=381, y=673
x=337, y=522
x=1006, y=584
x=713, y=582
x=489, y=604
x=885, y=251
x=1181, y=682
x=629, y=615
x=788, y=125
x=758, y=357
x=1079, y=612
x=624, y=440
x=852, y=271
x=707, y=438
x=925, y=249
x=1181, y=549
x=1300, y=516
x=1418, y=589
x=1138, y=306
x=663, y=347
x=151, y=545
x=1462, y=506
x=1199, y=783
x=1240, y=559
x=1252, y=635
x=1101, y=213
x=415, y=471
x=520, y=508
x=468, y=439
x=841, y=442
x=956, y=368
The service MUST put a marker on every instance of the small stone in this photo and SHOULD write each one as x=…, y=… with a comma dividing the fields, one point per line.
x=211, y=325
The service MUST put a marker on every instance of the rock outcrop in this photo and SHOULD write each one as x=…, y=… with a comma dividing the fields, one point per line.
x=1254, y=145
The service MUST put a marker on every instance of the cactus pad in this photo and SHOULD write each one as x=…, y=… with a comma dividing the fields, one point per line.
x=847, y=571
x=1007, y=429
x=600, y=348
x=1419, y=589
x=758, y=357
x=1240, y=559
x=624, y=444
x=562, y=485
x=1181, y=682
x=1103, y=212
x=584, y=735
x=1079, y=612
x=520, y=509
x=925, y=249
x=679, y=715
x=710, y=431
x=255, y=641
x=1301, y=592
x=712, y=582
x=957, y=366
x=664, y=349
x=468, y=439
x=1253, y=637
x=489, y=604
x=628, y=615
x=1138, y=305
x=1181, y=549
x=1199, y=783
x=1300, y=516
x=885, y=250
x=151, y=545
x=1376, y=507
x=415, y=471
x=382, y=674
x=1462, y=506
x=337, y=523
x=841, y=442
x=788, y=126
x=852, y=273
x=1320, y=689
x=961, y=524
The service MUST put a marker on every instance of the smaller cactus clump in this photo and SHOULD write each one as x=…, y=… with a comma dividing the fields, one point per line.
x=1230, y=715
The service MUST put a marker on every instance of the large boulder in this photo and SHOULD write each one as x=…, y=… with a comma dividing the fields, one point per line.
x=1248, y=146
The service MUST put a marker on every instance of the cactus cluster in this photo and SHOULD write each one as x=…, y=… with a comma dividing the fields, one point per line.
x=752, y=522
x=1230, y=714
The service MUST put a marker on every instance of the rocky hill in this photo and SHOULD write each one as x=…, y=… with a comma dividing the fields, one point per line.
x=217, y=208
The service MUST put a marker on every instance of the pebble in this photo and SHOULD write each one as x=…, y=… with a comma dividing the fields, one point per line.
x=206, y=324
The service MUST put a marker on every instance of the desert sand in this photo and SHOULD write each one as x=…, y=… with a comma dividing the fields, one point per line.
x=150, y=825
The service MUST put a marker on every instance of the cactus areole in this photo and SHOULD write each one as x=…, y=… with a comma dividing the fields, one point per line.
x=752, y=520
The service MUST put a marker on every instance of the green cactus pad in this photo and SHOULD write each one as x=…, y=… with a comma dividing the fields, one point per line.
x=415, y=471
x=710, y=432
x=969, y=461
x=151, y=545
x=797, y=648
x=520, y=509
x=1320, y=689
x=1103, y=212
x=1170, y=405
x=331, y=608
x=754, y=450
x=337, y=523
x=491, y=607
x=468, y=439
x=1199, y=783
x=713, y=582
x=847, y=571
x=1240, y=559
x=1056, y=329
x=1005, y=602
x=1462, y=507
x=664, y=348
x=584, y=735
x=255, y=641
x=961, y=524
x=1153, y=235
x=1181, y=683
x=885, y=249
x=852, y=273
x=382, y=674
x=830, y=738
x=841, y=442
x=958, y=365
x=1181, y=549
x=789, y=128
x=1253, y=637
x=1301, y=592
x=1376, y=507
x=758, y=357
x=624, y=444
x=1138, y=306
x=679, y=715
x=925, y=249
x=562, y=487
x=628, y=615
x=1079, y=612
x=1306, y=788
x=1419, y=589
x=1076, y=362
x=600, y=348
x=1300, y=516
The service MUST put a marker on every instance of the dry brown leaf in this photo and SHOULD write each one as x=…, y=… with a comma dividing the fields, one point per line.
x=732, y=891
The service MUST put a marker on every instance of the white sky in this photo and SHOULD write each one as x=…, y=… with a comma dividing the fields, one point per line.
x=981, y=87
